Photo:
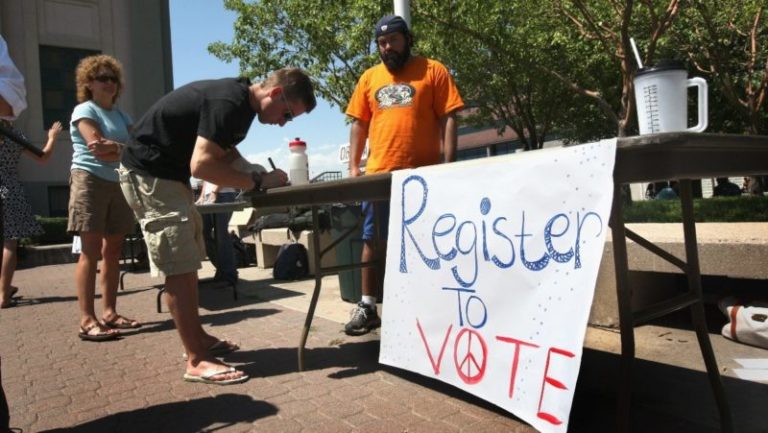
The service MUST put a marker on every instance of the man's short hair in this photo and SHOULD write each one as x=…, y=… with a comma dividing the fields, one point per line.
x=296, y=85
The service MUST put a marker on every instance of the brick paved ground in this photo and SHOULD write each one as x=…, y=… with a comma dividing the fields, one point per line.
x=55, y=382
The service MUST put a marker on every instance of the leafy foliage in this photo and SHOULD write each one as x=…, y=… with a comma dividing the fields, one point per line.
x=330, y=39
x=559, y=67
x=727, y=42
x=500, y=64
x=54, y=232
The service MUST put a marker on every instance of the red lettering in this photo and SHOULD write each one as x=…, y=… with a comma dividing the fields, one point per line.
x=553, y=382
x=435, y=365
x=469, y=362
x=515, y=359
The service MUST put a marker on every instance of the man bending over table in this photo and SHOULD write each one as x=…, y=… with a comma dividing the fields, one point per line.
x=193, y=131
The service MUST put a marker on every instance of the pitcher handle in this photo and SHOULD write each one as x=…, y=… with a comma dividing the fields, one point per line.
x=703, y=104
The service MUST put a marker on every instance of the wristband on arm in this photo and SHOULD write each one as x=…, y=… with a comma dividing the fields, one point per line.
x=256, y=177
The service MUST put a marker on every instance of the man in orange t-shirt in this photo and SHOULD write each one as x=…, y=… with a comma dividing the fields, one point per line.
x=406, y=107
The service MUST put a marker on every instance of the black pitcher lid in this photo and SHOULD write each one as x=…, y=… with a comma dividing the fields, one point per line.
x=662, y=65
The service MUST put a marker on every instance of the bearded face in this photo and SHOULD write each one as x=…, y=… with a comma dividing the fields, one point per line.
x=393, y=60
x=394, y=50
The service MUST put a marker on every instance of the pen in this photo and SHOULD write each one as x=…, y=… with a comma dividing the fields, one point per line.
x=272, y=163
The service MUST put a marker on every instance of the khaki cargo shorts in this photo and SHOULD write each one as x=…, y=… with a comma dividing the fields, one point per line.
x=172, y=227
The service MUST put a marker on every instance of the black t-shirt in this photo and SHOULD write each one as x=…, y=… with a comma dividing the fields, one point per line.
x=164, y=138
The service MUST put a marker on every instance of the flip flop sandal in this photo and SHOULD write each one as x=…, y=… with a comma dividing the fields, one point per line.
x=120, y=322
x=10, y=303
x=206, y=377
x=14, y=291
x=86, y=335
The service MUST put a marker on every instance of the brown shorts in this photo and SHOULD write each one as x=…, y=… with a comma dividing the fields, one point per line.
x=172, y=227
x=97, y=205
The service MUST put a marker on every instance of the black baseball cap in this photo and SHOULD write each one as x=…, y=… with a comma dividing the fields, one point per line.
x=390, y=24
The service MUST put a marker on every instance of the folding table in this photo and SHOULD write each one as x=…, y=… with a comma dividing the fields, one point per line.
x=681, y=156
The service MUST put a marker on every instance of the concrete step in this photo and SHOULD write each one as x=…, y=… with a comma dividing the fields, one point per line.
x=732, y=252
x=40, y=255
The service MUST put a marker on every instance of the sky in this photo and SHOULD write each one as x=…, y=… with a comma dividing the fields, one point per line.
x=197, y=23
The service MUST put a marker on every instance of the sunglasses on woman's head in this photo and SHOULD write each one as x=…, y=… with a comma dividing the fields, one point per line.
x=105, y=78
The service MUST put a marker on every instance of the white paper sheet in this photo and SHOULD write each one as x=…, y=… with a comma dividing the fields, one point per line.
x=491, y=270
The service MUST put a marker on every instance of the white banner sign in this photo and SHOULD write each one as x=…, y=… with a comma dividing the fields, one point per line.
x=491, y=270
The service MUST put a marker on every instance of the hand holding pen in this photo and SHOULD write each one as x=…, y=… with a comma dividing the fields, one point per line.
x=274, y=178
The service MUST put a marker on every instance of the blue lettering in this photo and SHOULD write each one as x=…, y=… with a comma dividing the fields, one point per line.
x=459, y=291
x=461, y=250
x=432, y=263
x=580, y=224
x=435, y=234
x=485, y=207
x=471, y=249
x=556, y=255
x=485, y=312
x=535, y=265
x=495, y=258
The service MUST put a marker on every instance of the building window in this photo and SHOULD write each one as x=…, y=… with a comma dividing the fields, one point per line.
x=57, y=82
x=58, y=200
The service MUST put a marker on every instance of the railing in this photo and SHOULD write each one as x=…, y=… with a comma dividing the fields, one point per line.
x=326, y=176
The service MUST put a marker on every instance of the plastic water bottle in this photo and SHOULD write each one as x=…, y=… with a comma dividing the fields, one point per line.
x=298, y=165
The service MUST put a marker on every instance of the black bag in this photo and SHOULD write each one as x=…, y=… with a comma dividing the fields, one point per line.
x=292, y=262
x=243, y=254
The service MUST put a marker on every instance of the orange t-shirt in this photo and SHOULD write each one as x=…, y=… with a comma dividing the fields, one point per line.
x=403, y=111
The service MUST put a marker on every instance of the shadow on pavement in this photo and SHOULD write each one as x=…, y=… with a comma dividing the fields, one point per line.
x=53, y=299
x=360, y=358
x=203, y=414
x=665, y=398
x=215, y=297
x=30, y=302
x=215, y=319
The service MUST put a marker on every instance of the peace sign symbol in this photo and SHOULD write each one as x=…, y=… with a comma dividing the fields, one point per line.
x=469, y=368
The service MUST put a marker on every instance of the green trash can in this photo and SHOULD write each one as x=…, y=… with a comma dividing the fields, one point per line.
x=343, y=218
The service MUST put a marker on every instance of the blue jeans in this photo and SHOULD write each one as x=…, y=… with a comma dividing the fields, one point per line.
x=218, y=244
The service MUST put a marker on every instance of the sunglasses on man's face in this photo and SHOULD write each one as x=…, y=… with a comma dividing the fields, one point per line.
x=105, y=78
x=288, y=115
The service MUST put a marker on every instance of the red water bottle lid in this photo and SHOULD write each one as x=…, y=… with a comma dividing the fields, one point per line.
x=297, y=142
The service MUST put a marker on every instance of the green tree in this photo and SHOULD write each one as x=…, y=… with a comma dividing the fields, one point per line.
x=497, y=61
x=497, y=53
x=727, y=42
x=330, y=39
x=605, y=27
x=563, y=66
